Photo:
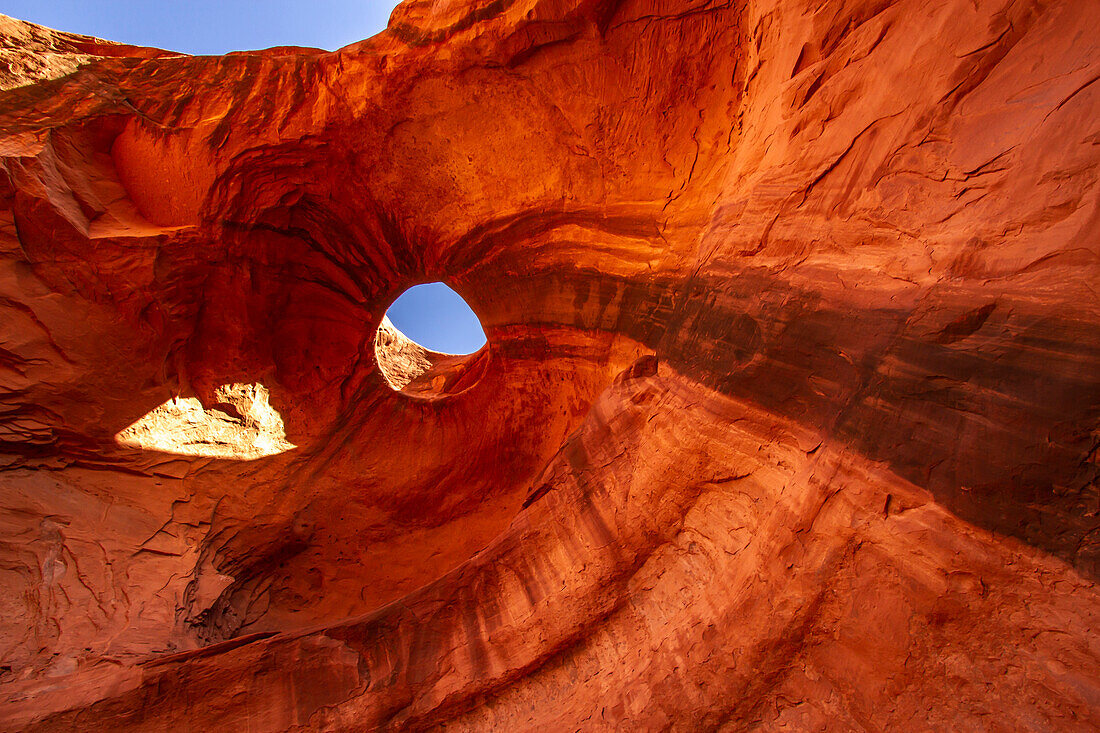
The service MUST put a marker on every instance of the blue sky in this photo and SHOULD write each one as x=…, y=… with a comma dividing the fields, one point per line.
x=211, y=26
x=437, y=318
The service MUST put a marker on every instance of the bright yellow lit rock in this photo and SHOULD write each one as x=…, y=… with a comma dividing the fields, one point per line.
x=182, y=426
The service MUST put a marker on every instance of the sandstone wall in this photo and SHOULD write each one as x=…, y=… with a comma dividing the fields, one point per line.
x=788, y=420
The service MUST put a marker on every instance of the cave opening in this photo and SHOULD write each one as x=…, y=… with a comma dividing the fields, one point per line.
x=430, y=343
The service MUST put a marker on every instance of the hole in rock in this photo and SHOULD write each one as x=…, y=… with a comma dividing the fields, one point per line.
x=430, y=343
x=242, y=426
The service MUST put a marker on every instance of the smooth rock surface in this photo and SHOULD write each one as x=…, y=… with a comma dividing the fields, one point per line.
x=789, y=416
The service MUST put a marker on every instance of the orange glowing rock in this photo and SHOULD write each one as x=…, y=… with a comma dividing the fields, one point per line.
x=787, y=418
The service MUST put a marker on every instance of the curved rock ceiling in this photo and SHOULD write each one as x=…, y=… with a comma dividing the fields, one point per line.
x=788, y=420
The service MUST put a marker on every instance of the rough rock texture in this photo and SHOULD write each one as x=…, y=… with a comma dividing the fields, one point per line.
x=788, y=420
x=410, y=368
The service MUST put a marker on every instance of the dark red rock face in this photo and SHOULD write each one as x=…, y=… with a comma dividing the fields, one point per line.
x=788, y=420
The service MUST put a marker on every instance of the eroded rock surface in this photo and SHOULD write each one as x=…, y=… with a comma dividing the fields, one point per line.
x=789, y=417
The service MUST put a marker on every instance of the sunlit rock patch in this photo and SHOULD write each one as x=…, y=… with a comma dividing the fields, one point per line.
x=246, y=428
x=400, y=359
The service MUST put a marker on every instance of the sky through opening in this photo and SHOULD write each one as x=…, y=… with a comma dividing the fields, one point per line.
x=438, y=319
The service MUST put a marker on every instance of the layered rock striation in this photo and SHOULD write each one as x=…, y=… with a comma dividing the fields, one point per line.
x=789, y=416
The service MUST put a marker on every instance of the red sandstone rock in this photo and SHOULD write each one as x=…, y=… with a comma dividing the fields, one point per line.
x=788, y=418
